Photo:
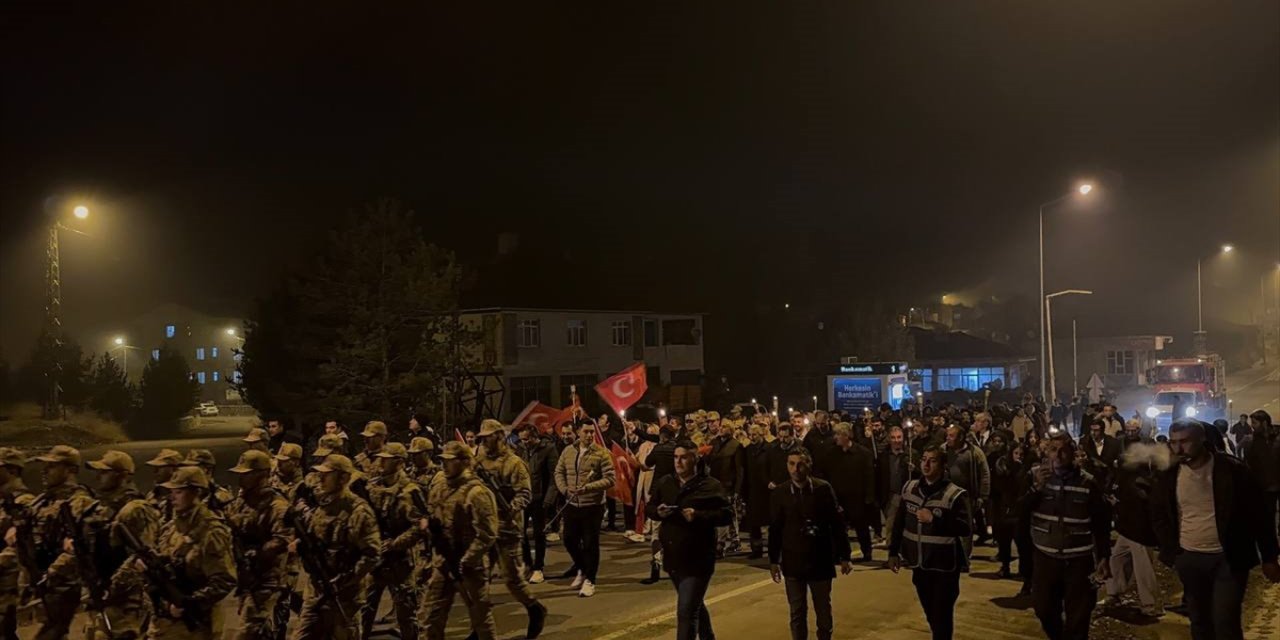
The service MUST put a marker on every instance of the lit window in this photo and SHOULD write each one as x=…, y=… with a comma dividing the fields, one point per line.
x=530, y=333
x=238, y=356
x=199, y=353
x=235, y=377
x=215, y=376
x=577, y=333
x=213, y=352
x=621, y=333
x=200, y=377
x=155, y=354
x=170, y=330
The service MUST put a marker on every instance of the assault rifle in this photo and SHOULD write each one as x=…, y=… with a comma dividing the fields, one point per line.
x=311, y=552
x=500, y=493
x=86, y=560
x=23, y=520
x=168, y=583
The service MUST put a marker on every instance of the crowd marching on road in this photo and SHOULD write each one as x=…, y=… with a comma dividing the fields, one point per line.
x=317, y=533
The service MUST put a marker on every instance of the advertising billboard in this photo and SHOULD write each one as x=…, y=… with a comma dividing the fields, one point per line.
x=852, y=394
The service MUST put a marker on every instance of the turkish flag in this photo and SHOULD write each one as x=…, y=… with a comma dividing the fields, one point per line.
x=624, y=466
x=625, y=389
x=541, y=416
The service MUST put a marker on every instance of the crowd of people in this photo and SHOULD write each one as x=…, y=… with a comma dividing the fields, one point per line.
x=319, y=531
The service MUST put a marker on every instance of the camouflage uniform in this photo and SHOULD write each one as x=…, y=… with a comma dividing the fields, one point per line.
x=123, y=507
x=198, y=544
x=467, y=514
x=10, y=569
x=61, y=580
x=291, y=596
x=217, y=497
x=511, y=475
x=329, y=444
x=422, y=476
x=367, y=461
x=346, y=527
x=392, y=500
x=260, y=545
x=159, y=496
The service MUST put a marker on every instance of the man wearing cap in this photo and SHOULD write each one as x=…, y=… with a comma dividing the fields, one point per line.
x=121, y=505
x=349, y=531
x=329, y=444
x=164, y=465
x=288, y=470
x=583, y=474
x=256, y=440
x=256, y=518
x=11, y=488
x=216, y=496
x=197, y=544
x=61, y=576
x=511, y=476
x=467, y=516
x=391, y=496
x=375, y=436
x=421, y=467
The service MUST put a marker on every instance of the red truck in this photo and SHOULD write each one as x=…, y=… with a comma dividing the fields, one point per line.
x=1188, y=387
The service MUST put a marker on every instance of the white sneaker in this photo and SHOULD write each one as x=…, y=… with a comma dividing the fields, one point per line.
x=588, y=589
x=577, y=582
x=537, y=578
x=633, y=536
x=553, y=537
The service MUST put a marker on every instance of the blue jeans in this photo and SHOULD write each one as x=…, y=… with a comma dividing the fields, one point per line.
x=1215, y=594
x=692, y=620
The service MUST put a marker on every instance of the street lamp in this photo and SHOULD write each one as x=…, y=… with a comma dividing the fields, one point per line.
x=1048, y=314
x=81, y=212
x=1082, y=190
x=53, y=304
x=1201, y=342
x=124, y=348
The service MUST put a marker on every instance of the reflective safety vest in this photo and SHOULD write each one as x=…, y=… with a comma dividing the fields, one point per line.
x=1061, y=525
x=922, y=547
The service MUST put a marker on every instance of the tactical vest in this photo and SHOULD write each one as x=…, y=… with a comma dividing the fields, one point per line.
x=922, y=548
x=1060, y=524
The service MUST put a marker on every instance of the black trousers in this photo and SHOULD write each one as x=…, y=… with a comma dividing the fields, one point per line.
x=1270, y=507
x=612, y=512
x=1003, y=533
x=938, y=591
x=582, y=538
x=535, y=517
x=1064, y=596
x=857, y=522
x=1026, y=556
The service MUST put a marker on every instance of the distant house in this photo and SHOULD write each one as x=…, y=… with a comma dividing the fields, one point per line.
x=1120, y=361
x=207, y=342
x=950, y=360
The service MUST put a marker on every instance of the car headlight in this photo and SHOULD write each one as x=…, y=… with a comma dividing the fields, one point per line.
x=1191, y=412
x=1152, y=412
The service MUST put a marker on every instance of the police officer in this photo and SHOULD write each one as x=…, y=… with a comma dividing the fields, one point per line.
x=345, y=527
x=61, y=579
x=391, y=496
x=930, y=534
x=12, y=489
x=256, y=518
x=464, y=514
x=217, y=497
x=163, y=465
x=196, y=542
x=375, y=436
x=1071, y=532
x=120, y=505
x=511, y=476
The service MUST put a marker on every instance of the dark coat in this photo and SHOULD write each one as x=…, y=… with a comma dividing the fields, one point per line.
x=854, y=481
x=778, y=472
x=541, y=460
x=1243, y=531
x=755, y=490
x=1102, y=466
x=820, y=445
x=1132, y=513
x=1263, y=458
x=1009, y=481
x=689, y=548
x=887, y=461
x=795, y=513
x=724, y=463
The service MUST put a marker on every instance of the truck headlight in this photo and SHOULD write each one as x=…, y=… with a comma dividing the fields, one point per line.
x=1191, y=412
x=1152, y=412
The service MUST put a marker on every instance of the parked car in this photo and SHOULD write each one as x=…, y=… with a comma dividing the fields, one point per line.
x=207, y=409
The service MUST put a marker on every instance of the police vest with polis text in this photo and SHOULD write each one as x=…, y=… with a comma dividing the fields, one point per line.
x=929, y=545
x=1061, y=526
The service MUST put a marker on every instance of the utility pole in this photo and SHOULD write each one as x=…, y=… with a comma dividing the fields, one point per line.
x=53, y=322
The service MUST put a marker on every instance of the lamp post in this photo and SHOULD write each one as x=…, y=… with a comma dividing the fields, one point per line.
x=1083, y=190
x=1201, y=342
x=1048, y=315
x=53, y=307
x=124, y=348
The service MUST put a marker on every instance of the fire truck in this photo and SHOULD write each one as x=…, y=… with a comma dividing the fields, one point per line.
x=1188, y=387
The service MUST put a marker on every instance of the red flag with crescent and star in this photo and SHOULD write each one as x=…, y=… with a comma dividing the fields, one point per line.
x=625, y=389
x=624, y=466
x=545, y=418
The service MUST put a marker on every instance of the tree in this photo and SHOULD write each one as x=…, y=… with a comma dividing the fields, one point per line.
x=369, y=331
x=110, y=393
x=53, y=359
x=168, y=392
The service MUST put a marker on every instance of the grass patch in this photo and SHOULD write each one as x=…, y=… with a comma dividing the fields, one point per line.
x=21, y=425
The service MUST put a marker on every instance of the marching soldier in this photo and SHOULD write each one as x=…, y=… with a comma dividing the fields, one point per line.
x=391, y=496
x=120, y=505
x=15, y=493
x=375, y=436
x=164, y=464
x=217, y=496
x=511, y=477
x=257, y=440
x=329, y=444
x=421, y=467
x=193, y=549
x=286, y=480
x=463, y=522
x=61, y=590
x=261, y=543
x=343, y=533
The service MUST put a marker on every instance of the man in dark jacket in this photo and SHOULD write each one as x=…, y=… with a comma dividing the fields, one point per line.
x=778, y=451
x=1262, y=456
x=1102, y=452
x=893, y=470
x=755, y=490
x=1133, y=556
x=806, y=541
x=689, y=508
x=967, y=467
x=852, y=477
x=819, y=442
x=540, y=455
x=724, y=463
x=1206, y=519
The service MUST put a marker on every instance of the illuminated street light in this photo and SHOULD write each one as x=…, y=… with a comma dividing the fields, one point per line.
x=119, y=342
x=1226, y=248
x=1083, y=190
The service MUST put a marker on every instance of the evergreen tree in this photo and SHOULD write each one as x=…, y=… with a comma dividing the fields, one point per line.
x=168, y=392
x=109, y=391
x=60, y=360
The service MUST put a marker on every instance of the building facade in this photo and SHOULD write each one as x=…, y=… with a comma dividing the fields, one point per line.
x=208, y=343
x=1121, y=362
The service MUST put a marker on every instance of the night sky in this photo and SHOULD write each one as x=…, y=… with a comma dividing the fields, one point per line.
x=695, y=156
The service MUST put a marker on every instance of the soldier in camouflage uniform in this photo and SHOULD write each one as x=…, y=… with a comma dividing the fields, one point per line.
x=260, y=546
x=197, y=543
x=345, y=527
x=285, y=480
x=120, y=505
x=217, y=497
x=329, y=444
x=421, y=467
x=507, y=474
x=257, y=440
x=391, y=496
x=466, y=515
x=375, y=436
x=164, y=464
x=11, y=489
x=61, y=580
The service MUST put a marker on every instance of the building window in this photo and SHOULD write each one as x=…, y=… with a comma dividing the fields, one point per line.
x=170, y=330
x=155, y=354
x=577, y=333
x=200, y=377
x=970, y=378
x=530, y=333
x=586, y=395
x=925, y=376
x=239, y=355
x=236, y=377
x=621, y=333
x=679, y=332
x=215, y=376
x=1120, y=363
x=199, y=353
x=213, y=352
x=650, y=333
x=686, y=378
x=526, y=389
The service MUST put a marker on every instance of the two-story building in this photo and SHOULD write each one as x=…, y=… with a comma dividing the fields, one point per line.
x=208, y=343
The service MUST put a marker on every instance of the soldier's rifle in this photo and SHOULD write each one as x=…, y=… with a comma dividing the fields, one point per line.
x=168, y=584
x=501, y=493
x=86, y=559
x=22, y=519
x=312, y=555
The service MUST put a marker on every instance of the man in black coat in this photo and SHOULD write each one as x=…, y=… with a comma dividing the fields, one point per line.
x=755, y=489
x=1207, y=521
x=852, y=477
x=540, y=456
x=806, y=541
x=893, y=470
x=724, y=463
x=689, y=507
x=778, y=451
x=1133, y=555
x=819, y=442
x=1102, y=452
x=1262, y=456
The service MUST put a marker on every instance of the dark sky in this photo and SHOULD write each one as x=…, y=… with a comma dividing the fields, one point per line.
x=718, y=158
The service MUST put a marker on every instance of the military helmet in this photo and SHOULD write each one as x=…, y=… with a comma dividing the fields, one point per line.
x=374, y=428
x=336, y=462
x=11, y=457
